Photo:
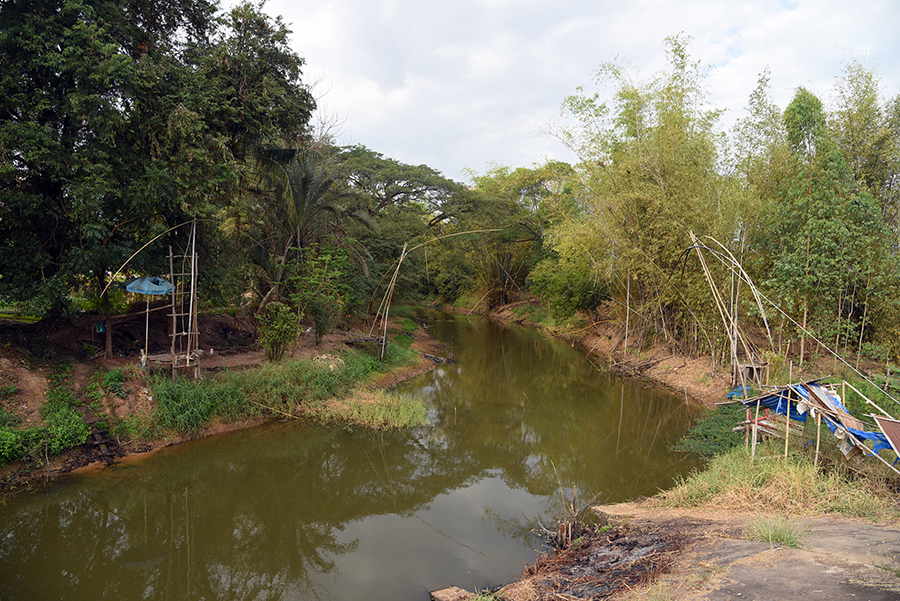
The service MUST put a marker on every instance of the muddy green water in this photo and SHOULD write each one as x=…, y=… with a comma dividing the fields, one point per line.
x=292, y=511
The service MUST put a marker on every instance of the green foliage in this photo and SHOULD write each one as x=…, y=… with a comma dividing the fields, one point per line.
x=286, y=388
x=713, y=434
x=648, y=177
x=7, y=391
x=65, y=430
x=82, y=183
x=132, y=427
x=114, y=382
x=10, y=445
x=569, y=284
x=826, y=238
x=184, y=405
x=63, y=427
x=279, y=326
x=322, y=288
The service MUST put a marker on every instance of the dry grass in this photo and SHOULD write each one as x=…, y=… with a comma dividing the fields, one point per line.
x=372, y=408
x=785, y=486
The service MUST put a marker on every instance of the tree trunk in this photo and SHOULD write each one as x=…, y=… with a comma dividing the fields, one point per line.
x=105, y=306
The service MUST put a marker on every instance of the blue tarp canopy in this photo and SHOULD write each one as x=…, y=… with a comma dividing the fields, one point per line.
x=147, y=284
x=784, y=402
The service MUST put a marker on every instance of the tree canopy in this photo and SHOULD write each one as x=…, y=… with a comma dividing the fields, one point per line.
x=119, y=120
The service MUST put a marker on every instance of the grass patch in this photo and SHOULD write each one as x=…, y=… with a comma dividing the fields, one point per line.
x=773, y=484
x=776, y=531
x=373, y=409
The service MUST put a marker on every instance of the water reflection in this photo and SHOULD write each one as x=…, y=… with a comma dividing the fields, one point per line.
x=292, y=511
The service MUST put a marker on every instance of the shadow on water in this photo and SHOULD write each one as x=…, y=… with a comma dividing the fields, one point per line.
x=293, y=511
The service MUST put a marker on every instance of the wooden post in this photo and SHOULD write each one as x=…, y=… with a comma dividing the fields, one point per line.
x=818, y=437
x=755, y=432
x=787, y=432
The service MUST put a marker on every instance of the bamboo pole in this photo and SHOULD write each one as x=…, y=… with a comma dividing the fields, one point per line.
x=818, y=436
x=755, y=432
x=787, y=432
x=627, y=311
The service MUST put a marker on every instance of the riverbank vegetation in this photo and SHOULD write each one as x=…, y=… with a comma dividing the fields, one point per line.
x=788, y=219
x=793, y=485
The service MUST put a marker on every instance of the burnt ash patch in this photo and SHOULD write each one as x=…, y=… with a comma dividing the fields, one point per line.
x=602, y=564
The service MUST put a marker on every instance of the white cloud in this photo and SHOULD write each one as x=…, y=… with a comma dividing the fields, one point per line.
x=466, y=83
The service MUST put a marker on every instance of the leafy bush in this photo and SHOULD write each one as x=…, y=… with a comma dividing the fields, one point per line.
x=322, y=288
x=279, y=327
x=568, y=284
x=65, y=430
x=10, y=445
x=114, y=382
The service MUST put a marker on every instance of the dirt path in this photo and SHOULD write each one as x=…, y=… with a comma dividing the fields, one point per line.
x=839, y=558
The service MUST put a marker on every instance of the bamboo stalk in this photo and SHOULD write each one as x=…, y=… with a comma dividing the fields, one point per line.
x=787, y=432
x=755, y=432
x=818, y=436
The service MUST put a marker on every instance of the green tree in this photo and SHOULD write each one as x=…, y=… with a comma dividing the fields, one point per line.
x=826, y=235
x=119, y=120
x=298, y=201
x=861, y=127
x=649, y=167
x=381, y=182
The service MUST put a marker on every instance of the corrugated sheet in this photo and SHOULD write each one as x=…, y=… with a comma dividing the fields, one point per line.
x=891, y=429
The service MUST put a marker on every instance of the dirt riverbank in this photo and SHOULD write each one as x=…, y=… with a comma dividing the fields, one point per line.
x=228, y=343
x=644, y=552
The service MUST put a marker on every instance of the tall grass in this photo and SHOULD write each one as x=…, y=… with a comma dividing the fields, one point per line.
x=289, y=389
x=777, y=485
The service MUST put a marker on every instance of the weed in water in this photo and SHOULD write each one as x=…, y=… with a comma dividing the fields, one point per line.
x=776, y=531
x=713, y=433
x=375, y=409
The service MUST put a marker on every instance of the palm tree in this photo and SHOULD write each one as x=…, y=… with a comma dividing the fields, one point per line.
x=302, y=201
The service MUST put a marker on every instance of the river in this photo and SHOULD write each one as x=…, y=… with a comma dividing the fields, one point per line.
x=302, y=512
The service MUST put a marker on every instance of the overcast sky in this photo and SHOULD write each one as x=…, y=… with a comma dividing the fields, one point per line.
x=466, y=83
